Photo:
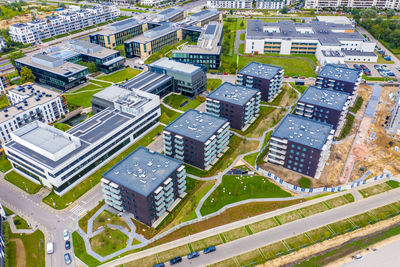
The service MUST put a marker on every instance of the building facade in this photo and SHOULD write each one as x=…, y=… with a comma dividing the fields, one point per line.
x=231, y=4
x=266, y=78
x=380, y=4
x=239, y=104
x=60, y=160
x=189, y=80
x=301, y=145
x=394, y=122
x=272, y=4
x=197, y=138
x=146, y=184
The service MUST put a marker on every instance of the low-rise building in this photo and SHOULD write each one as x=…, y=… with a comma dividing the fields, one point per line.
x=145, y=183
x=394, y=122
x=266, y=78
x=301, y=145
x=29, y=102
x=207, y=51
x=197, y=138
x=231, y=4
x=60, y=160
x=172, y=14
x=324, y=105
x=239, y=104
x=190, y=80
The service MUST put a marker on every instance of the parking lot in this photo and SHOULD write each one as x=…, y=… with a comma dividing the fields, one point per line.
x=374, y=71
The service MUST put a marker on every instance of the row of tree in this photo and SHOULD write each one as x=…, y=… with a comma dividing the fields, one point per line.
x=384, y=30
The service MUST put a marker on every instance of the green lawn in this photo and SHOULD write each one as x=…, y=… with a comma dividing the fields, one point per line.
x=120, y=75
x=3, y=101
x=264, y=121
x=304, y=182
x=357, y=105
x=380, y=79
x=168, y=115
x=300, y=88
x=374, y=190
x=80, y=251
x=243, y=36
x=84, y=220
x=92, y=180
x=62, y=126
x=164, y=52
x=347, y=127
x=108, y=241
x=121, y=49
x=175, y=101
x=82, y=97
x=234, y=188
x=20, y=223
x=265, y=151
x=22, y=182
x=393, y=183
x=251, y=158
x=106, y=217
x=5, y=164
x=213, y=84
x=241, y=49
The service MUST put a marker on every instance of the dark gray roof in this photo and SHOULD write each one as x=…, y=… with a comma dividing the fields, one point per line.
x=143, y=170
x=235, y=94
x=358, y=53
x=196, y=125
x=146, y=81
x=338, y=72
x=259, y=70
x=324, y=97
x=303, y=131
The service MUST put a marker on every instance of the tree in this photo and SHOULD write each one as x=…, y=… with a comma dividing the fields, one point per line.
x=390, y=13
x=26, y=75
x=241, y=23
x=13, y=56
x=368, y=13
x=285, y=10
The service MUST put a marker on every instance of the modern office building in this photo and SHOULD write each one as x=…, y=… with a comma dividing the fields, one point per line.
x=381, y=4
x=301, y=145
x=204, y=17
x=151, y=82
x=53, y=71
x=172, y=14
x=339, y=78
x=272, y=4
x=394, y=122
x=153, y=40
x=29, y=102
x=190, y=80
x=287, y=37
x=239, y=104
x=68, y=20
x=118, y=32
x=324, y=105
x=207, y=52
x=266, y=78
x=197, y=138
x=234, y=4
x=60, y=160
x=145, y=183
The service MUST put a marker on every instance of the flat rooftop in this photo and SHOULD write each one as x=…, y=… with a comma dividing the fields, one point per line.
x=170, y=12
x=172, y=65
x=112, y=93
x=341, y=73
x=118, y=27
x=358, y=53
x=260, y=70
x=204, y=14
x=146, y=81
x=324, y=97
x=196, y=125
x=303, y=131
x=155, y=33
x=143, y=170
x=334, y=19
x=235, y=94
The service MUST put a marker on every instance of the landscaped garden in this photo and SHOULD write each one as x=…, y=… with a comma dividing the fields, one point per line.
x=168, y=115
x=177, y=102
x=120, y=76
x=106, y=217
x=22, y=182
x=213, y=84
x=108, y=241
x=82, y=96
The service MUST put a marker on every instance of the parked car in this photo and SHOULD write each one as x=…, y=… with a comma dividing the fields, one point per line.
x=377, y=67
x=363, y=66
x=67, y=258
x=67, y=245
x=357, y=67
x=193, y=255
x=209, y=250
x=159, y=265
x=50, y=248
x=66, y=235
x=302, y=77
x=175, y=260
x=295, y=77
x=286, y=76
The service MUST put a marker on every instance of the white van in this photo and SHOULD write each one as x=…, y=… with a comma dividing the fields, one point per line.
x=50, y=247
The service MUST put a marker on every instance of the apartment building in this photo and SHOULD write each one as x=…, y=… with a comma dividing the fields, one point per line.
x=266, y=78
x=301, y=145
x=172, y=14
x=324, y=105
x=115, y=34
x=272, y=4
x=60, y=160
x=207, y=51
x=66, y=21
x=314, y=37
x=29, y=102
x=197, y=138
x=380, y=4
x=339, y=78
x=145, y=183
x=231, y=4
x=189, y=80
x=394, y=122
x=151, y=2
x=239, y=104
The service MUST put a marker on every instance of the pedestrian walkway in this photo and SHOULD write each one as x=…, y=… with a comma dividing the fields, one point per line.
x=14, y=229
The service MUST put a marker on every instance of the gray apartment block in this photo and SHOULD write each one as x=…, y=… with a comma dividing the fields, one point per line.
x=197, y=138
x=239, y=104
x=301, y=145
x=190, y=80
x=145, y=183
x=324, y=105
x=266, y=78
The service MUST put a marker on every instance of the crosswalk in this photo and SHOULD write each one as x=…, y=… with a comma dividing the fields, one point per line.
x=77, y=210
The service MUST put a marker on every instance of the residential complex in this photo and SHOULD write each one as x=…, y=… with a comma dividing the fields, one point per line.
x=60, y=160
x=29, y=102
x=207, y=52
x=382, y=4
x=190, y=80
x=394, y=122
x=301, y=145
x=66, y=21
x=197, y=138
x=239, y=104
x=234, y=4
x=324, y=105
x=266, y=78
x=314, y=37
x=172, y=14
x=145, y=183
x=272, y=4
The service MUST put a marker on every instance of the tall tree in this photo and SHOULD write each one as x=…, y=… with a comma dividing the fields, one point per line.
x=26, y=75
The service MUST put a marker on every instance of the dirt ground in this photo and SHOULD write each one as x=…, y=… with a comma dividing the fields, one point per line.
x=331, y=243
x=21, y=257
x=22, y=19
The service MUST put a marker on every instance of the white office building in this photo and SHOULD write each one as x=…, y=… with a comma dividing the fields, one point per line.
x=29, y=102
x=60, y=160
x=66, y=21
x=237, y=4
x=380, y=4
x=394, y=123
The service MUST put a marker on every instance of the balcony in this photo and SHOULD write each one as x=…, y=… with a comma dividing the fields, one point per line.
x=109, y=202
x=167, y=142
x=118, y=207
x=167, y=137
x=160, y=207
x=168, y=187
x=280, y=162
x=161, y=200
x=118, y=202
x=117, y=197
x=180, y=191
x=168, y=199
x=181, y=173
x=115, y=191
x=179, y=152
x=179, y=157
x=160, y=212
x=178, y=141
x=180, y=185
